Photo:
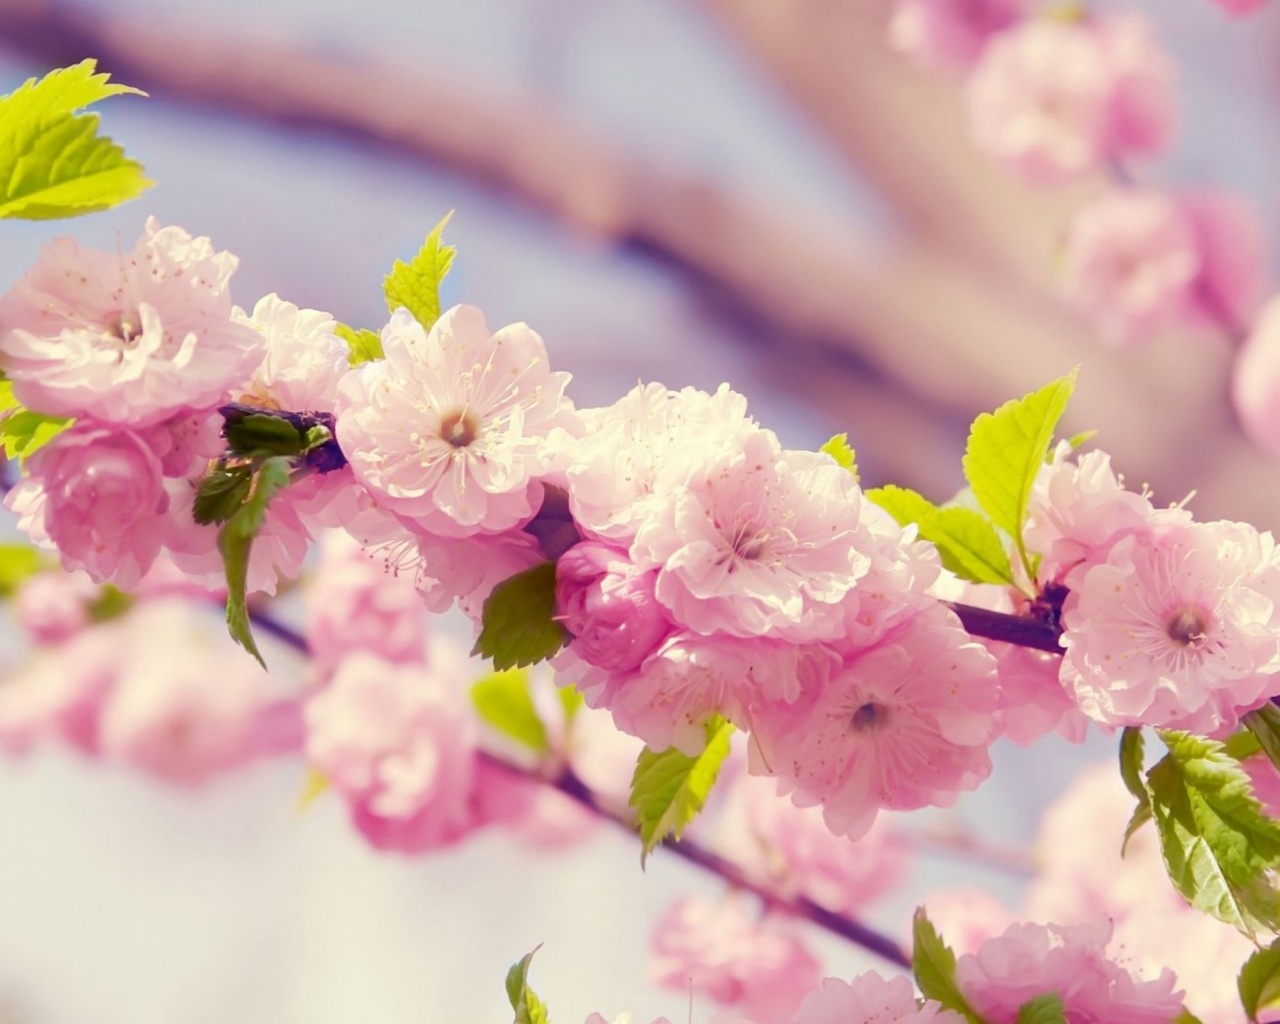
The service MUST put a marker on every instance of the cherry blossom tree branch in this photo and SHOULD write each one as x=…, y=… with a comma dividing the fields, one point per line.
x=1011, y=629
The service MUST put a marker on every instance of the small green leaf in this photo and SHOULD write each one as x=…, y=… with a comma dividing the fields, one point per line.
x=53, y=162
x=529, y=1008
x=669, y=788
x=1264, y=723
x=1077, y=441
x=1259, y=981
x=110, y=603
x=235, y=541
x=570, y=701
x=905, y=505
x=1219, y=848
x=18, y=563
x=504, y=701
x=1186, y=1017
x=934, y=967
x=221, y=493
x=258, y=435
x=1006, y=450
x=518, y=620
x=838, y=448
x=24, y=432
x=1131, y=765
x=365, y=345
x=968, y=545
x=1045, y=1009
x=416, y=285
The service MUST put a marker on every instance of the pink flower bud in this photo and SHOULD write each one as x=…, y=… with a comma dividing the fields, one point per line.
x=609, y=606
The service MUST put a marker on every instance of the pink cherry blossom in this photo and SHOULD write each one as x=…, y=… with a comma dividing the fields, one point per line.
x=448, y=430
x=871, y=999
x=99, y=497
x=1178, y=627
x=966, y=918
x=1232, y=249
x=399, y=743
x=126, y=338
x=1256, y=381
x=760, y=966
x=303, y=359
x=1029, y=960
x=608, y=606
x=54, y=606
x=1239, y=8
x=903, y=725
x=950, y=33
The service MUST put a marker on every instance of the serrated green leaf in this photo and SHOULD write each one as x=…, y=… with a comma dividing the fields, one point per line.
x=1264, y=724
x=669, y=787
x=220, y=494
x=1259, y=981
x=1006, y=449
x=23, y=432
x=235, y=541
x=838, y=448
x=18, y=563
x=968, y=545
x=504, y=700
x=53, y=162
x=364, y=345
x=934, y=967
x=1218, y=846
x=1131, y=766
x=528, y=1007
x=416, y=285
x=518, y=626
x=1045, y=1009
x=260, y=434
x=905, y=505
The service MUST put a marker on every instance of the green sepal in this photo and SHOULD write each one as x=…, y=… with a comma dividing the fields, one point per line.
x=503, y=699
x=416, y=285
x=934, y=967
x=518, y=625
x=1264, y=724
x=261, y=435
x=669, y=787
x=1259, y=981
x=235, y=541
x=53, y=162
x=528, y=1007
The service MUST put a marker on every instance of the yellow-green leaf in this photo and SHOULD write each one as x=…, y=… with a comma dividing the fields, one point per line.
x=416, y=285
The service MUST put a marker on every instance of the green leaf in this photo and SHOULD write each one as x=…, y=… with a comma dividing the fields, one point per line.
x=1045, y=1009
x=53, y=162
x=1077, y=441
x=1259, y=981
x=1264, y=723
x=110, y=603
x=1131, y=764
x=365, y=345
x=416, y=285
x=23, y=432
x=1006, y=450
x=18, y=563
x=1186, y=1017
x=235, y=541
x=518, y=625
x=221, y=493
x=967, y=543
x=504, y=701
x=934, y=967
x=669, y=788
x=1218, y=846
x=258, y=435
x=838, y=448
x=570, y=701
x=529, y=1008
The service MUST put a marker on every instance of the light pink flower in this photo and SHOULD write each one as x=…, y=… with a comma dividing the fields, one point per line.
x=950, y=33
x=1179, y=627
x=399, y=742
x=967, y=917
x=904, y=725
x=1232, y=247
x=99, y=497
x=760, y=966
x=54, y=606
x=897, y=582
x=871, y=999
x=608, y=606
x=1029, y=960
x=1256, y=381
x=127, y=338
x=303, y=359
x=448, y=430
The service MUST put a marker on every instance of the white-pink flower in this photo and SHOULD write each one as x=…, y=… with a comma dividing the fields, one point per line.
x=871, y=999
x=303, y=359
x=126, y=338
x=1029, y=960
x=1178, y=627
x=448, y=430
x=54, y=606
x=1256, y=380
x=903, y=725
x=760, y=966
x=950, y=33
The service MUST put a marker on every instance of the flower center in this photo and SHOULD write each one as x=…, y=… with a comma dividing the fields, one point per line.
x=870, y=717
x=1188, y=628
x=459, y=428
x=122, y=326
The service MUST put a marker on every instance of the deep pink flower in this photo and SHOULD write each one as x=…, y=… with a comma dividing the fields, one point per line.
x=1239, y=8
x=608, y=606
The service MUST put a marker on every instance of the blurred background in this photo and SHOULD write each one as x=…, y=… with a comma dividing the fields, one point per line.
x=687, y=191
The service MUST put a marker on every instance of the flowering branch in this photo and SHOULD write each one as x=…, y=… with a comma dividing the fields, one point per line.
x=1010, y=629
